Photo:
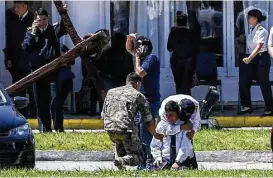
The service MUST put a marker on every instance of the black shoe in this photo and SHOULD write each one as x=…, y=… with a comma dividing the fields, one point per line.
x=245, y=110
x=267, y=113
x=47, y=130
x=118, y=164
x=59, y=130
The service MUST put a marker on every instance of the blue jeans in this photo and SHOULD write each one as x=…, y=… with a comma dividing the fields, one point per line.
x=146, y=136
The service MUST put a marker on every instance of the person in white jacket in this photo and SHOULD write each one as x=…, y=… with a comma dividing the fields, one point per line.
x=176, y=147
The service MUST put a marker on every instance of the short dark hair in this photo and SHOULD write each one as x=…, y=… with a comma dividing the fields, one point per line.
x=146, y=41
x=172, y=106
x=133, y=78
x=257, y=14
x=41, y=11
x=25, y=2
x=181, y=18
x=187, y=106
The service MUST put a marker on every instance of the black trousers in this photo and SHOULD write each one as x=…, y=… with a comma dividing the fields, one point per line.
x=94, y=98
x=31, y=109
x=43, y=102
x=258, y=69
x=189, y=162
x=62, y=91
x=183, y=71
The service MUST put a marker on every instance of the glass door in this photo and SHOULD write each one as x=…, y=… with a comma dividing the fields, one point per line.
x=208, y=17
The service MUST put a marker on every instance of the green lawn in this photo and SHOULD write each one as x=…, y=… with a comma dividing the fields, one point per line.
x=206, y=140
x=106, y=173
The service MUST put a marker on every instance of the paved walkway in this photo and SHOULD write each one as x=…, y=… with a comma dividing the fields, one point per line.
x=92, y=166
x=202, y=156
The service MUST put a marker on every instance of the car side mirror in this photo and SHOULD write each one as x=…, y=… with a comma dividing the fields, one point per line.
x=20, y=102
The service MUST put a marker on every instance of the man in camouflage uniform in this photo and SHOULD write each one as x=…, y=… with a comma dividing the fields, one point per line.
x=119, y=111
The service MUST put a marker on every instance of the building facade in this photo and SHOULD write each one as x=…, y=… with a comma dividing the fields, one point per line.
x=222, y=25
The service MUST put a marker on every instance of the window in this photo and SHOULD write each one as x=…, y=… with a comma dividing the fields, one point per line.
x=207, y=18
x=3, y=99
x=119, y=15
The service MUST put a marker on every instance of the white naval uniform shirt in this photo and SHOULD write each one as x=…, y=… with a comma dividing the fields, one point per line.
x=257, y=35
x=270, y=38
x=195, y=117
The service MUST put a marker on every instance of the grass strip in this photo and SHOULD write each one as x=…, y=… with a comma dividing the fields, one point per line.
x=111, y=173
x=205, y=140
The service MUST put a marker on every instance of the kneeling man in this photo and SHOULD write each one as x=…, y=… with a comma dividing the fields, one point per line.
x=119, y=112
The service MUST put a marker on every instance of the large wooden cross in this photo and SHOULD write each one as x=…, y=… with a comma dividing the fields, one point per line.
x=81, y=47
x=92, y=72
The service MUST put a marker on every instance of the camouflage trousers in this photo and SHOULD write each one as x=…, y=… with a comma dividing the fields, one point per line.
x=128, y=148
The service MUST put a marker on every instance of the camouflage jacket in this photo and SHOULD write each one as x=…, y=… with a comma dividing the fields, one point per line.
x=120, y=109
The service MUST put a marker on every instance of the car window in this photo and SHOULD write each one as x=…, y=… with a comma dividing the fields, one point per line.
x=3, y=99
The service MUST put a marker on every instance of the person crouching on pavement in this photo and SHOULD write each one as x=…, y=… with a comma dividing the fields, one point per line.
x=176, y=148
x=119, y=111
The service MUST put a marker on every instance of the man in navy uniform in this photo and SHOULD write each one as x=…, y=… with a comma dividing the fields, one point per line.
x=40, y=47
x=16, y=28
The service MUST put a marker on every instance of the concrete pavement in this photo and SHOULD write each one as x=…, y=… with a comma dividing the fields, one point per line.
x=92, y=166
x=202, y=156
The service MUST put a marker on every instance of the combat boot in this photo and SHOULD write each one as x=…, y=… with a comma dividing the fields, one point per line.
x=119, y=163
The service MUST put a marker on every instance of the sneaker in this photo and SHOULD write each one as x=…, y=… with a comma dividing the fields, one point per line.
x=150, y=167
x=141, y=167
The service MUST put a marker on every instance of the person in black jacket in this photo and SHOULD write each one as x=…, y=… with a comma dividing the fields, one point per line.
x=40, y=47
x=184, y=45
x=16, y=28
x=119, y=60
x=17, y=25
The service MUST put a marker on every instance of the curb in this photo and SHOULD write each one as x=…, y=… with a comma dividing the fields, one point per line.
x=81, y=123
x=202, y=156
x=222, y=121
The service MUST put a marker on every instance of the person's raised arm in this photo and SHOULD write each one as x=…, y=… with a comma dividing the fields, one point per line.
x=129, y=43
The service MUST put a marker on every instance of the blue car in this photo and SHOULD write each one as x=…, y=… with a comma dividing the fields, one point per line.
x=17, y=144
